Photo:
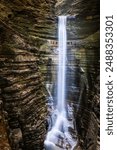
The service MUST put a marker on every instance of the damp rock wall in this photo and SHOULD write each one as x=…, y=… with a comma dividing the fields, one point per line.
x=25, y=27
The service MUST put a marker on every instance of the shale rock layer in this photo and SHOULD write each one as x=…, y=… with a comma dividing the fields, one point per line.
x=24, y=26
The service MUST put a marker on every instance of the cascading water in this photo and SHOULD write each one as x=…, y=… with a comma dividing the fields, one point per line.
x=62, y=47
x=60, y=123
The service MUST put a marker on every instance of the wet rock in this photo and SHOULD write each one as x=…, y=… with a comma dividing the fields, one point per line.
x=24, y=27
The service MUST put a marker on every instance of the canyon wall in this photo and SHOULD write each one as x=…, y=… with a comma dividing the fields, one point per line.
x=25, y=28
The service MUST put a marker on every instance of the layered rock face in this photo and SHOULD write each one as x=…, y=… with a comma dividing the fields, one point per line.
x=4, y=143
x=85, y=29
x=24, y=26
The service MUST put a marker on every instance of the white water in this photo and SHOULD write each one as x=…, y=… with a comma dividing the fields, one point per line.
x=60, y=123
x=62, y=47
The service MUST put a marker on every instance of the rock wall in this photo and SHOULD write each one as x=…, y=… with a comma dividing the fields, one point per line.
x=85, y=28
x=24, y=27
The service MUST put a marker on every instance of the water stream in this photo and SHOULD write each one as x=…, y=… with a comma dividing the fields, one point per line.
x=62, y=47
x=59, y=134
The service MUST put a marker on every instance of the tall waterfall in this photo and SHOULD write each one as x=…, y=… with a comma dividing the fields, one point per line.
x=60, y=124
x=62, y=47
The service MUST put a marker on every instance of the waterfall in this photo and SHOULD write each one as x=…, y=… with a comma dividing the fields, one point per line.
x=62, y=47
x=60, y=124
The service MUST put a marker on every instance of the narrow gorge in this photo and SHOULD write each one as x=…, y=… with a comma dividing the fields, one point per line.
x=29, y=48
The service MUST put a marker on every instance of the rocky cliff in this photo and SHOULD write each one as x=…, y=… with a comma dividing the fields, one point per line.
x=25, y=27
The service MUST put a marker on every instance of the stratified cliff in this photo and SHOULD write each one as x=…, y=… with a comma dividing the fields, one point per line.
x=85, y=28
x=25, y=27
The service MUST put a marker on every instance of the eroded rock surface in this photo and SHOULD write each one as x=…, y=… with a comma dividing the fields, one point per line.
x=25, y=27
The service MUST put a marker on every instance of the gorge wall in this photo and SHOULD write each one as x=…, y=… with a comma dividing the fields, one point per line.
x=25, y=27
